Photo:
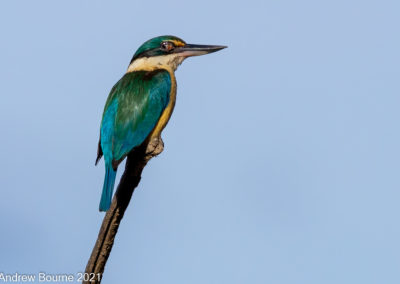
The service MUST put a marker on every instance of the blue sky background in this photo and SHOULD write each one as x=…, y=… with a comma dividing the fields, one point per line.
x=281, y=160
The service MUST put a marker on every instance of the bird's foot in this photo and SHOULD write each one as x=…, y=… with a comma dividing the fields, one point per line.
x=155, y=147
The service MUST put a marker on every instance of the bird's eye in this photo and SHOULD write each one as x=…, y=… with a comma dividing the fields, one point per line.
x=167, y=46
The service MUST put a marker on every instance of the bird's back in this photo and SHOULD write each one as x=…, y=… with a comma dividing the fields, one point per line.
x=133, y=109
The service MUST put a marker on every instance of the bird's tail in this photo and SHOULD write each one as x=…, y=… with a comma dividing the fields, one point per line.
x=108, y=188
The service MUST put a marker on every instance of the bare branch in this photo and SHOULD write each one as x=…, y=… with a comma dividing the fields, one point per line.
x=130, y=179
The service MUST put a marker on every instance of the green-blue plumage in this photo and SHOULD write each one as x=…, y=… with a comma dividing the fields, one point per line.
x=132, y=110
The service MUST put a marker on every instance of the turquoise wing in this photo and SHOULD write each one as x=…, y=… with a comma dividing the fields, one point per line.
x=132, y=110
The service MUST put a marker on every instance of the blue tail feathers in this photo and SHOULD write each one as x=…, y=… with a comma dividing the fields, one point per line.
x=108, y=188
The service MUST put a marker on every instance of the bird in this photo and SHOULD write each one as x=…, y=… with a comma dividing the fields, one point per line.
x=140, y=104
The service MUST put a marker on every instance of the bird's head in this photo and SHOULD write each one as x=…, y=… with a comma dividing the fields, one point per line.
x=167, y=52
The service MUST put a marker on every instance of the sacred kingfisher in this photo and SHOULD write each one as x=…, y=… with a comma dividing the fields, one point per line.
x=141, y=102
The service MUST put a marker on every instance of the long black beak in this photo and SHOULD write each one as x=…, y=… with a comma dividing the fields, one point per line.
x=198, y=49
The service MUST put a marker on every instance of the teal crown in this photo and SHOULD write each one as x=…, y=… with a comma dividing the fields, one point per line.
x=152, y=46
